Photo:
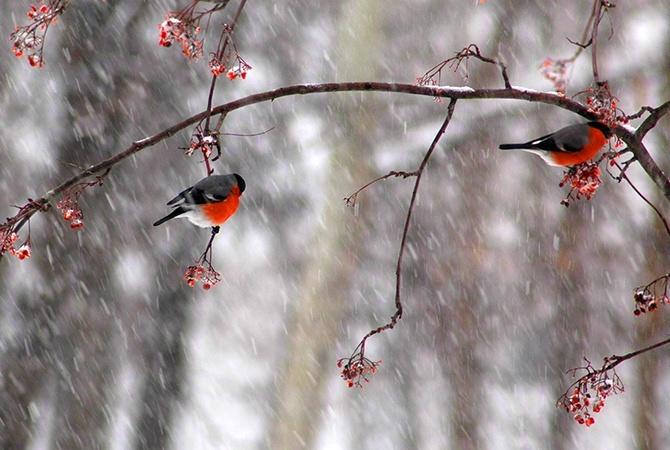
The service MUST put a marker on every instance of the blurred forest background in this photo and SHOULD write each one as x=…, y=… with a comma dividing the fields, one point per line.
x=102, y=344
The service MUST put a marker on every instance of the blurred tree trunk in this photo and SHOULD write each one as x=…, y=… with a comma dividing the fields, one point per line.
x=84, y=350
x=67, y=333
x=652, y=326
x=162, y=366
x=569, y=328
x=458, y=280
x=316, y=321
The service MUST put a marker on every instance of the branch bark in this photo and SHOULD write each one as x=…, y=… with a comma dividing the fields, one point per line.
x=634, y=141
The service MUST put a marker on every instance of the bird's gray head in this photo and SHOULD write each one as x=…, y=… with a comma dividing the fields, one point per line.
x=602, y=127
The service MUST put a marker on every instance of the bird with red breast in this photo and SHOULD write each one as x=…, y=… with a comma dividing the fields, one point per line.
x=209, y=202
x=568, y=146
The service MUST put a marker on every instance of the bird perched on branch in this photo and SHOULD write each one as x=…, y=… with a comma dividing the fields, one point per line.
x=568, y=146
x=209, y=202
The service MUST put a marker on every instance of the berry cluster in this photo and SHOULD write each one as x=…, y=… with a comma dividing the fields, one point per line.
x=184, y=32
x=8, y=239
x=217, y=66
x=206, y=143
x=209, y=277
x=556, y=71
x=28, y=40
x=583, y=179
x=226, y=56
x=587, y=395
x=605, y=106
x=71, y=212
x=356, y=369
x=240, y=70
x=647, y=298
x=581, y=404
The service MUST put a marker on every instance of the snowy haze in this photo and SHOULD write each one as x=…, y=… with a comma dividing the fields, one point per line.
x=102, y=344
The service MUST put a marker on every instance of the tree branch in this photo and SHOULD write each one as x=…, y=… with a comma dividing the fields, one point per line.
x=351, y=200
x=635, y=145
x=647, y=163
x=651, y=121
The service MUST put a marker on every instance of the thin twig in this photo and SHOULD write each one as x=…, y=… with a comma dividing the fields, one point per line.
x=640, y=113
x=597, y=7
x=351, y=200
x=398, y=272
x=615, y=360
x=623, y=176
x=214, y=77
x=471, y=51
x=212, y=86
x=260, y=133
x=585, y=33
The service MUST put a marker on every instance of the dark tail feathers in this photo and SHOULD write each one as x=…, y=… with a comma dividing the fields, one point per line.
x=172, y=215
x=524, y=146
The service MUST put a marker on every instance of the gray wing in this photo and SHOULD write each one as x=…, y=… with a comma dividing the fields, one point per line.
x=211, y=189
x=572, y=138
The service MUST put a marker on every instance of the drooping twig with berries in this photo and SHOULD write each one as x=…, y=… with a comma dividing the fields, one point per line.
x=652, y=295
x=587, y=394
x=557, y=71
x=68, y=206
x=28, y=40
x=357, y=366
x=181, y=27
x=202, y=270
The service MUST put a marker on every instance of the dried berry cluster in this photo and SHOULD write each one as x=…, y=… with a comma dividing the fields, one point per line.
x=8, y=240
x=556, y=71
x=239, y=70
x=357, y=369
x=605, y=106
x=71, y=212
x=183, y=27
x=208, y=276
x=28, y=40
x=183, y=31
x=587, y=395
x=206, y=143
x=648, y=298
x=226, y=59
x=583, y=179
x=202, y=270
